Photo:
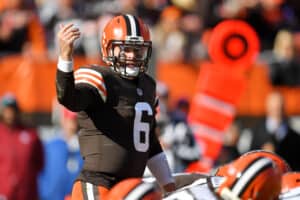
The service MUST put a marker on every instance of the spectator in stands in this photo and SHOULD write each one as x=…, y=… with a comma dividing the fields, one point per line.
x=21, y=154
x=62, y=159
x=65, y=11
x=91, y=17
x=150, y=10
x=169, y=39
x=283, y=66
x=192, y=26
x=179, y=138
x=21, y=30
x=94, y=8
x=274, y=133
x=268, y=17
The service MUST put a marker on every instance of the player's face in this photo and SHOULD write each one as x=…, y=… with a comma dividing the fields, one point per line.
x=130, y=58
x=130, y=54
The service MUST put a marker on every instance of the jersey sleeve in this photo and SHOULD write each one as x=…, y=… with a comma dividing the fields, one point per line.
x=80, y=89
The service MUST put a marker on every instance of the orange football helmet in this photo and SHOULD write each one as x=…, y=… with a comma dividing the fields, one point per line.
x=134, y=189
x=290, y=186
x=250, y=177
x=122, y=35
x=279, y=161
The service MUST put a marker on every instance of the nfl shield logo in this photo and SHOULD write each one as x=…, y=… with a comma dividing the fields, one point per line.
x=139, y=91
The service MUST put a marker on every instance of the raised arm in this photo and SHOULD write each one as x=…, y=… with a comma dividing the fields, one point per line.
x=74, y=97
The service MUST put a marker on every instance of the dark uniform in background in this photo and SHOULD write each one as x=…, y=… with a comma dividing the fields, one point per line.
x=116, y=119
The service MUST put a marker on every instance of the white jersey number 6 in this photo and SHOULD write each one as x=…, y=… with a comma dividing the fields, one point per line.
x=140, y=127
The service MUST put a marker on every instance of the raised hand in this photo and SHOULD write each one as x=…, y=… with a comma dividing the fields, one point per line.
x=67, y=35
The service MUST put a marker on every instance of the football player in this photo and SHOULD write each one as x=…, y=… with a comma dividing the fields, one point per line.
x=250, y=177
x=280, y=162
x=282, y=165
x=255, y=175
x=116, y=108
x=290, y=186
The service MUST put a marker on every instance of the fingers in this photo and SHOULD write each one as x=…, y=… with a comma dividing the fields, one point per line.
x=72, y=37
x=64, y=28
x=72, y=33
x=68, y=33
x=68, y=29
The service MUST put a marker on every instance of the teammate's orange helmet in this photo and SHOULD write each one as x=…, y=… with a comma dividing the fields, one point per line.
x=279, y=161
x=255, y=178
x=290, y=186
x=134, y=189
x=126, y=33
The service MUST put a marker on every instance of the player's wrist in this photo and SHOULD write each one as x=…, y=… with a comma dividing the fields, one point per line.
x=66, y=57
x=65, y=65
x=158, y=165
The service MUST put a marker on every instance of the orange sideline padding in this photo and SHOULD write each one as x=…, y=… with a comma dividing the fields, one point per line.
x=31, y=80
x=180, y=78
x=258, y=86
x=182, y=82
x=33, y=83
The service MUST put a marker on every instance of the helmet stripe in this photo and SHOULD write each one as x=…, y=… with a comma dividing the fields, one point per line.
x=251, y=172
x=138, y=31
x=242, y=172
x=128, y=27
x=291, y=194
x=132, y=25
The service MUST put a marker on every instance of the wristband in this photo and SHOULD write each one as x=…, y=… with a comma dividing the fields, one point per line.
x=158, y=165
x=65, y=65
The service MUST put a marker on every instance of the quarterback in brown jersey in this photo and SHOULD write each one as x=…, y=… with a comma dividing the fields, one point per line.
x=116, y=108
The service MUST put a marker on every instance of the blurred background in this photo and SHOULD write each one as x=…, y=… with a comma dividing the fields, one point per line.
x=201, y=124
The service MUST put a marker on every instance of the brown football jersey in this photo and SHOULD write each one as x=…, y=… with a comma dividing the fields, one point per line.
x=117, y=121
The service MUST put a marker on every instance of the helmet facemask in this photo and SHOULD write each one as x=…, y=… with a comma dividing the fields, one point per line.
x=129, y=58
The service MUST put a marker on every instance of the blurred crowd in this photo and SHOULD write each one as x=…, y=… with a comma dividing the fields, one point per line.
x=36, y=166
x=42, y=164
x=180, y=28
